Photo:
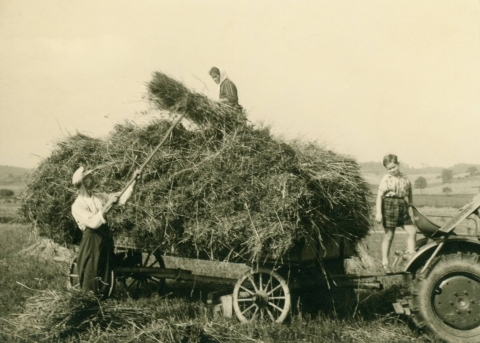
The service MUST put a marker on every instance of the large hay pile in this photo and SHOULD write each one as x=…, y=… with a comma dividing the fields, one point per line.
x=208, y=193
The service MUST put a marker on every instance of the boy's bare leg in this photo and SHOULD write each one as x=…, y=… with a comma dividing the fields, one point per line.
x=412, y=234
x=386, y=244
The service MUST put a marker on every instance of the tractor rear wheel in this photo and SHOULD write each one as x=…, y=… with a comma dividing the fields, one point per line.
x=446, y=298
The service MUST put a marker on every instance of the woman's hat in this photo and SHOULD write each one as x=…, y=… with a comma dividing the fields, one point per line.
x=79, y=174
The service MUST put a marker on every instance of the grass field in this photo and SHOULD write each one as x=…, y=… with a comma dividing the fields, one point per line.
x=16, y=189
x=19, y=274
x=181, y=315
x=8, y=212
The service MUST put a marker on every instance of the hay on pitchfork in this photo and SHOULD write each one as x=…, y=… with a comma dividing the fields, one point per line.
x=169, y=94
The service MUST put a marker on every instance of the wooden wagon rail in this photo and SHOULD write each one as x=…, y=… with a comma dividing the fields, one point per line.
x=175, y=275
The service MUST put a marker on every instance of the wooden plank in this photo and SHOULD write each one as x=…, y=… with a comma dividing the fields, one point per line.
x=366, y=276
x=154, y=271
x=175, y=274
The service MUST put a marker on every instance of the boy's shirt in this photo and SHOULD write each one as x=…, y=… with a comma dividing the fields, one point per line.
x=395, y=186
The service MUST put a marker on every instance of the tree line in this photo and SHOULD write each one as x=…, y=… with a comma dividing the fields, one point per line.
x=446, y=176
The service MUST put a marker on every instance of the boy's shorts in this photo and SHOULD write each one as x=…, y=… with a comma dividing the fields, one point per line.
x=395, y=213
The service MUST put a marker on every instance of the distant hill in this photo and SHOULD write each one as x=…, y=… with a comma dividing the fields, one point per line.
x=13, y=175
x=378, y=168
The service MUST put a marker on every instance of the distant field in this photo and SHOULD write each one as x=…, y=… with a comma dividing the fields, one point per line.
x=439, y=200
x=8, y=212
x=432, y=180
x=461, y=184
x=15, y=188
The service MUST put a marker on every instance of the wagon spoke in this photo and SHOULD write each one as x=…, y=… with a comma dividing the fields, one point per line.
x=255, y=313
x=247, y=290
x=277, y=298
x=131, y=285
x=273, y=290
x=248, y=308
x=148, y=259
x=275, y=306
x=138, y=286
x=152, y=279
x=271, y=315
x=245, y=299
x=153, y=264
x=260, y=281
x=261, y=313
x=268, y=283
x=253, y=283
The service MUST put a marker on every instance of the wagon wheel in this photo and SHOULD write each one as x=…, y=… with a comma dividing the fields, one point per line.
x=73, y=279
x=446, y=298
x=261, y=293
x=74, y=282
x=138, y=283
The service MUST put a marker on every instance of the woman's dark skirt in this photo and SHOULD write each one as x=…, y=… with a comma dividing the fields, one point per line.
x=395, y=213
x=95, y=261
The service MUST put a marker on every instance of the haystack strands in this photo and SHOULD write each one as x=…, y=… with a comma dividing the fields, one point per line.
x=241, y=193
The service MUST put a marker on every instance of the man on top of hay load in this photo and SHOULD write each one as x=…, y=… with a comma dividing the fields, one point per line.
x=95, y=259
x=228, y=90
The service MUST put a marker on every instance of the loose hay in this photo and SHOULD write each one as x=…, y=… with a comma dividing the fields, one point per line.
x=50, y=315
x=46, y=249
x=212, y=193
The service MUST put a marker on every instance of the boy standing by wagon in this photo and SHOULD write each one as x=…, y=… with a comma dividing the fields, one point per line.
x=392, y=204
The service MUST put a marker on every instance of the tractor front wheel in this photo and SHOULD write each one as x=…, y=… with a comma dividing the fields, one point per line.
x=446, y=298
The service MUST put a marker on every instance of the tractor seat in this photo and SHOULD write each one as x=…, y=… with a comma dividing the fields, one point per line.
x=425, y=225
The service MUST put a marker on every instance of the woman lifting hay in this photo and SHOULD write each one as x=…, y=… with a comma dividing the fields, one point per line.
x=95, y=259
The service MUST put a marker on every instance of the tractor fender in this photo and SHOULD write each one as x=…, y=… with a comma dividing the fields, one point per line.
x=453, y=244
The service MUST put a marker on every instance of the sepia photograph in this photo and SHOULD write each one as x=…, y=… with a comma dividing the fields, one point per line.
x=240, y=171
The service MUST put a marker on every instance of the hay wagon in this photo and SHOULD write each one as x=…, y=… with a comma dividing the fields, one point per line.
x=264, y=291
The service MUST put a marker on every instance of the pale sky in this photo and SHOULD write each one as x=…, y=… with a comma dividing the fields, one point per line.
x=365, y=78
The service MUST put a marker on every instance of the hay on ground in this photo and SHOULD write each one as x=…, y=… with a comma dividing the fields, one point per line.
x=53, y=315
